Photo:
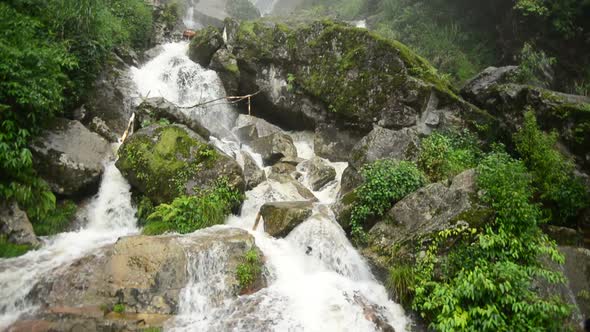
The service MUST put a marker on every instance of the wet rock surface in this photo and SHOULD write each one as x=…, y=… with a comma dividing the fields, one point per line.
x=273, y=147
x=70, y=157
x=280, y=218
x=15, y=225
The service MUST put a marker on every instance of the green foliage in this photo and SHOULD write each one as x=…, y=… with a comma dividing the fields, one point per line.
x=249, y=270
x=290, y=82
x=119, y=308
x=401, y=281
x=533, y=65
x=171, y=14
x=444, y=155
x=145, y=207
x=9, y=249
x=50, y=53
x=487, y=283
x=385, y=182
x=242, y=9
x=563, y=193
x=187, y=214
x=55, y=221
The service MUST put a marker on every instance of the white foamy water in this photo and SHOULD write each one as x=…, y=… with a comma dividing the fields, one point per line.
x=317, y=281
x=110, y=216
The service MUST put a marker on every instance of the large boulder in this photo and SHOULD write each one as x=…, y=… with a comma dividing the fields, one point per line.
x=422, y=214
x=332, y=73
x=154, y=109
x=382, y=143
x=70, y=157
x=165, y=162
x=249, y=128
x=333, y=143
x=146, y=275
x=569, y=115
x=15, y=225
x=319, y=173
x=274, y=147
x=204, y=44
x=292, y=185
x=280, y=218
x=226, y=66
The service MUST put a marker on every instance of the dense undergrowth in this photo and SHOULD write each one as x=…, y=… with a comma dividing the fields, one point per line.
x=51, y=53
x=187, y=214
x=483, y=278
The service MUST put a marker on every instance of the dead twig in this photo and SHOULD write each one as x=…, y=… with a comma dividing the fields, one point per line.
x=231, y=99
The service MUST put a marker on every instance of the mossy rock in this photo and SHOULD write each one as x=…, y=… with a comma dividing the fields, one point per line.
x=204, y=44
x=332, y=72
x=164, y=162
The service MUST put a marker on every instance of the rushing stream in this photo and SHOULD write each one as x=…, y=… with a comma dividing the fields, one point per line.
x=316, y=280
x=317, y=290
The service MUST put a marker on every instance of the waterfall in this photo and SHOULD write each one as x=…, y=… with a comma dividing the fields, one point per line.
x=110, y=216
x=315, y=276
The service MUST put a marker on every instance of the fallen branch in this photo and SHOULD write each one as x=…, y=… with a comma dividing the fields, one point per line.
x=231, y=99
x=129, y=128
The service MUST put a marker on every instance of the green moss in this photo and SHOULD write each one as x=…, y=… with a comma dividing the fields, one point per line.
x=165, y=165
x=9, y=249
x=119, y=308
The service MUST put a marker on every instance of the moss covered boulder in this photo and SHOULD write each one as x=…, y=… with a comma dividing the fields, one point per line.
x=327, y=72
x=280, y=218
x=205, y=43
x=569, y=115
x=165, y=162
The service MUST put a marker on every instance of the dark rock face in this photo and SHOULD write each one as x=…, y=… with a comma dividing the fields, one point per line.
x=165, y=162
x=383, y=143
x=15, y=224
x=69, y=157
x=280, y=218
x=204, y=45
x=145, y=274
x=111, y=99
x=274, y=147
x=569, y=115
x=351, y=179
x=334, y=144
x=427, y=211
x=154, y=109
x=329, y=73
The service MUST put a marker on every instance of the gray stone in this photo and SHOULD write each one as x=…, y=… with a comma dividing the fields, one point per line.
x=383, y=143
x=249, y=128
x=204, y=44
x=351, y=179
x=274, y=147
x=280, y=218
x=290, y=181
x=319, y=173
x=334, y=144
x=70, y=157
x=153, y=109
x=15, y=225
x=253, y=175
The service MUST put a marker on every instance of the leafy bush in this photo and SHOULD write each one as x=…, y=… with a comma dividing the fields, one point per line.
x=249, y=270
x=385, y=182
x=564, y=193
x=534, y=67
x=119, y=308
x=9, y=249
x=187, y=214
x=444, y=155
x=56, y=220
x=488, y=280
x=401, y=281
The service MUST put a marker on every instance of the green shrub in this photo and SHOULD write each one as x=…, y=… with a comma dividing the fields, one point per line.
x=444, y=155
x=249, y=270
x=9, y=249
x=385, y=182
x=55, y=221
x=119, y=308
x=533, y=66
x=187, y=214
x=401, y=281
x=490, y=285
x=563, y=193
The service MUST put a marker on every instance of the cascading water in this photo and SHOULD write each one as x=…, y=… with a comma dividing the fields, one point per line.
x=110, y=216
x=317, y=280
